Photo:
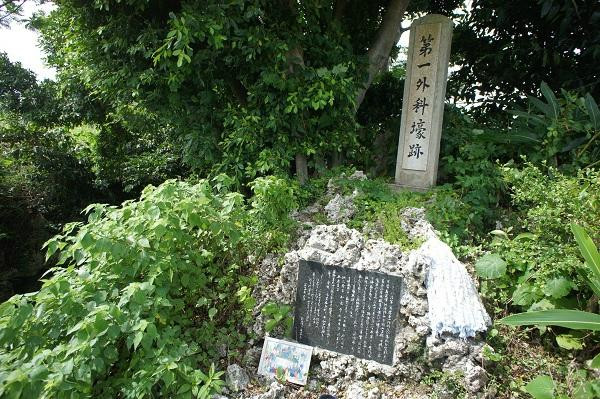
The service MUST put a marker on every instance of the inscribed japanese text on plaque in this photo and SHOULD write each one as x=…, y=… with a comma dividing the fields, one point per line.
x=347, y=310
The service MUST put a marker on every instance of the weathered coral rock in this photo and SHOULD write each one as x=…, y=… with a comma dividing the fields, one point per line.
x=440, y=316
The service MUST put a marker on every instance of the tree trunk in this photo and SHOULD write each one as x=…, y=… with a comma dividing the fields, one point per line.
x=338, y=9
x=320, y=165
x=295, y=59
x=386, y=38
x=301, y=168
x=337, y=159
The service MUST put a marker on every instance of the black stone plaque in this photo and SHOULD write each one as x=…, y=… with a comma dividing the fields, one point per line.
x=347, y=310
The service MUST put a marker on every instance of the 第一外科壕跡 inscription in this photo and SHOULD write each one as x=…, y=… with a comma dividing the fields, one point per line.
x=423, y=102
x=347, y=310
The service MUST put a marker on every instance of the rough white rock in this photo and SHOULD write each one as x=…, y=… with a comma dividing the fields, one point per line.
x=358, y=175
x=276, y=391
x=475, y=377
x=356, y=391
x=236, y=377
x=454, y=304
x=440, y=310
x=341, y=208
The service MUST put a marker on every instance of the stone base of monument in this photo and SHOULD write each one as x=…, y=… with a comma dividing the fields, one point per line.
x=402, y=187
x=440, y=320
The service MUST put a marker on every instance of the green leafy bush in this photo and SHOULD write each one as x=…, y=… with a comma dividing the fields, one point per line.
x=145, y=296
x=42, y=184
x=541, y=255
x=563, y=131
x=543, y=386
x=278, y=315
x=273, y=200
x=470, y=165
x=381, y=207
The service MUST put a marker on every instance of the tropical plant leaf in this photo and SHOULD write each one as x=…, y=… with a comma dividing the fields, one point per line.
x=516, y=137
x=542, y=106
x=490, y=266
x=523, y=295
x=588, y=249
x=592, y=282
x=574, y=319
x=544, y=304
x=558, y=287
x=595, y=363
x=593, y=111
x=567, y=341
x=499, y=233
x=551, y=98
x=574, y=144
x=532, y=117
x=541, y=387
x=525, y=236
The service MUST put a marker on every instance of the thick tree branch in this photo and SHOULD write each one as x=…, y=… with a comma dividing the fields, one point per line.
x=384, y=42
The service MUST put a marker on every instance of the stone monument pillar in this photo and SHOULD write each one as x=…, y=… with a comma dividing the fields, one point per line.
x=423, y=102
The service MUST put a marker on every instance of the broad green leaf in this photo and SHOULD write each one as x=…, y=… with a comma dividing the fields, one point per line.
x=211, y=313
x=551, y=98
x=140, y=325
x=524, y=295
x=587, y=390
x=137, y=338
x=541, y=387
x=557, y=287
x=202, y=301
x=270, y=308
x=490, y=266
x=544, y=304
x=67, y=367
x=87, y=240
x=532, y=117
x=168, y=377
x=52, y=245
x=591, y=281
x=567, y=341
x=593, y=111
x=542, y=106
x=525, y=236
x=270, y=325
x=588, y=249
x=595, y=363
x=154, y=212
x=499, y=233
x=574, y=319
x=184, y=388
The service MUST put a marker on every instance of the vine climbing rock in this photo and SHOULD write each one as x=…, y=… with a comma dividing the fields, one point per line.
x=441, y=320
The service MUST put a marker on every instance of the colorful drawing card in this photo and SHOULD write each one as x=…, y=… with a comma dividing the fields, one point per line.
x=285, y=360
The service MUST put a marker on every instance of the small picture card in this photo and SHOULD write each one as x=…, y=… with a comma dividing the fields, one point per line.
x=283, y=359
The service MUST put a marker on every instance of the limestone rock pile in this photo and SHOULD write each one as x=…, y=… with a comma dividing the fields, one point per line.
x=441, y=319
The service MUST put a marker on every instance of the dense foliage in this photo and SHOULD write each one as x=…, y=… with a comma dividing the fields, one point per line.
x=145, y=295
x=150, y=298
x=540, y=253
x=242, y=87
x=506, y=48
x=44, y=180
